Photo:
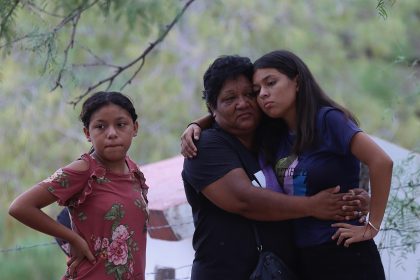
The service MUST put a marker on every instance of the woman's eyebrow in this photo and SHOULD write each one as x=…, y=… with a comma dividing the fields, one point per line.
x=266, y=77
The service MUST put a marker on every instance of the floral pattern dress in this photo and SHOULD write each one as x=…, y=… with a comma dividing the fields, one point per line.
x=110, y=212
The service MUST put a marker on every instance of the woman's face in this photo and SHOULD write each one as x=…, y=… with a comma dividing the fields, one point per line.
x=237, y=110
x=276, y=93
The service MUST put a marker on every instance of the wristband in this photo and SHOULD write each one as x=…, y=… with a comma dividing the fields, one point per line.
x=195, y=124
x=375, y=228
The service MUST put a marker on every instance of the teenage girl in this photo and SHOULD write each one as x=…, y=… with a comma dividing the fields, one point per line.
x=105, y=193
x=320, y=144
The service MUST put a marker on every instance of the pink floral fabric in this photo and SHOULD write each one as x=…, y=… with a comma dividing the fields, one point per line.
x=110, y=212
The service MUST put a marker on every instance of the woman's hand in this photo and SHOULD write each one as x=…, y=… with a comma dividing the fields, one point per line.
x=79, y=250
x=352, y=234
x=191, y=133
x=359, y=203
x=329, y=204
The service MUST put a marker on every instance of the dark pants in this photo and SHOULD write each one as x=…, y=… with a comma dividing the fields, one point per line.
x=359, y=261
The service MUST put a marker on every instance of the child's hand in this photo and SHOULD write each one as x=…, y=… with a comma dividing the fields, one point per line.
x=352, y=234
x=79, y=250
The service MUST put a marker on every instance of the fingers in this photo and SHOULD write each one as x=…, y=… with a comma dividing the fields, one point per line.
x=341, y=225
x=191, y=133
x=358, y=191
x=361, y=216
x=351, y=212
x=350, y=241
x=342, y=237
x=356, y=205
x=330, y=205
x=345, y=210
x=354, y=212
x=363, y=196
x=188, y=149
x=364, y=202
x=347, y=234
x=196, y=132
x=72, y=264
x=352, y=205
x=70, y=261
x=350, y=197
x=75, y=261
x=341, y=234
x=335, y=189
x=90, y=257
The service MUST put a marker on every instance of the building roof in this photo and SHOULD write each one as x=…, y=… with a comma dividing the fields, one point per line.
x=165, y=183
x=170, y=214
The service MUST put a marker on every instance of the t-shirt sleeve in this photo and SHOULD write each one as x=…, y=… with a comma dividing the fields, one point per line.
x=337, y=131
x=215, y=158
x=67, y=184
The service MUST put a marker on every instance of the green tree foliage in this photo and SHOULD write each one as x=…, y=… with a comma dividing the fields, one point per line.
x=365, y=54
x=62, y=33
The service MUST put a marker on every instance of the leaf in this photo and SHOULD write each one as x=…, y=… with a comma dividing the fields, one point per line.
x=114, y=212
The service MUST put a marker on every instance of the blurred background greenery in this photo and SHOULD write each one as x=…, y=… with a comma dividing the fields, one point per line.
x=364, y=59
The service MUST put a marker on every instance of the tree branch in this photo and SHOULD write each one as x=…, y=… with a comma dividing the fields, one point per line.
x=41, y=10
x=109, y=80
x=66, y=52
x=73, y=14
x=101, y=62
x=6, y=18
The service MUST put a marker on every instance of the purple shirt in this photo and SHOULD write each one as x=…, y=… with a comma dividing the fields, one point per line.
x=330, y=164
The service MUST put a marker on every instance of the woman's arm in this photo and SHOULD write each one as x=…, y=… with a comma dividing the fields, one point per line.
x=235, y=193
x=380, y=174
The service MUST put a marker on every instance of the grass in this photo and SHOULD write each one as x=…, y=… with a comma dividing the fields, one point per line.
x=27, y=254
x=44, y=262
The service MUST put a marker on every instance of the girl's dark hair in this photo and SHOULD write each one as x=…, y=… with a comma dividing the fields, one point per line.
x=102, y=98
x=309, y=98
x=224, y=68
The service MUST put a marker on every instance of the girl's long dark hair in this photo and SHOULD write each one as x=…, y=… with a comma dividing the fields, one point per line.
x=309, y=99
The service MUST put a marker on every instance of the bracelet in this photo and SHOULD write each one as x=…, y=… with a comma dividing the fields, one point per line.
x=195, y=124
x=375, y=228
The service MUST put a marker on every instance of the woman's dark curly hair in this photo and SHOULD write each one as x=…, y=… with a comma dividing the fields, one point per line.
x=224, y=68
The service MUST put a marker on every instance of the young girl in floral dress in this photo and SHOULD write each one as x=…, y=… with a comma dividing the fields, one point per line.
x=105, y=193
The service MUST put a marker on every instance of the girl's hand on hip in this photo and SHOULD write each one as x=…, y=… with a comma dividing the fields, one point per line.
x=352, y=234
x=79, y=251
